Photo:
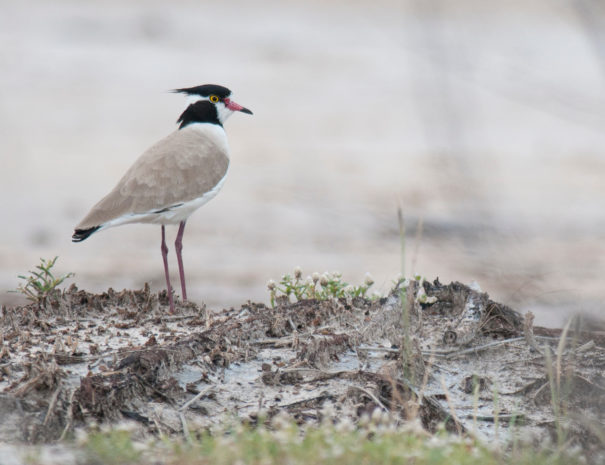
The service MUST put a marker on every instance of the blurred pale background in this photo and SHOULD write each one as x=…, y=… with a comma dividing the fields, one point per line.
x=483, y=120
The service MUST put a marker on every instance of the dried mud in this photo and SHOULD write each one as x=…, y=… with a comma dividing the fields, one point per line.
x=81, y=359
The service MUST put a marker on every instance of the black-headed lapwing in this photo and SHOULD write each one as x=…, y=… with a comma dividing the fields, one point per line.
x=173, y=178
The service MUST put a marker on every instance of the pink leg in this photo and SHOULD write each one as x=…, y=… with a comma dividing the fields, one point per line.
x=165, y=258
x=178, y=245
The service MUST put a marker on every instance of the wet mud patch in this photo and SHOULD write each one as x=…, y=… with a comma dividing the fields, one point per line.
x=449, y=355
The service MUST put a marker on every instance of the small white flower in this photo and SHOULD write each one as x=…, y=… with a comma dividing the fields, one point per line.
x=423, y=298
x=271, y=285
x=298, y=272
x=315, y=276
x=345, y=425
x=328, y=410
x=81, y=436
x=413, y=426
x=324, y=280
x=376, y=415
x=368, y=280
x=281, y=421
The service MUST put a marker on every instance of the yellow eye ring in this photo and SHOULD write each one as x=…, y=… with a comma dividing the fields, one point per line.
x=214, y=98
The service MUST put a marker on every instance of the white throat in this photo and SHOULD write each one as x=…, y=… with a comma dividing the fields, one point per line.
x=223, y=112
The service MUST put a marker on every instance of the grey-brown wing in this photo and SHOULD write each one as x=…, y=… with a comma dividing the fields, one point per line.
x=181, y=167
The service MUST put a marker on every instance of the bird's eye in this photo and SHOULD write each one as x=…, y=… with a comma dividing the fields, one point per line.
x=214, y=98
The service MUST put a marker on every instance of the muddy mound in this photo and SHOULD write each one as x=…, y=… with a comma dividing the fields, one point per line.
x=449, y=355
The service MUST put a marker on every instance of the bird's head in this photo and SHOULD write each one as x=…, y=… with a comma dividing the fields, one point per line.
x=209, y=101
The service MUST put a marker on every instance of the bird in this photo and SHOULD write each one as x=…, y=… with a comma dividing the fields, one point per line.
x=174, y=177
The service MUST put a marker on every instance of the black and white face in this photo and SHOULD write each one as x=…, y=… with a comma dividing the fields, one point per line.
x=208, y=104
x=225, y=107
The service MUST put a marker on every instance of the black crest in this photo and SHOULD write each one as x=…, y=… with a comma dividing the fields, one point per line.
x=206, y=90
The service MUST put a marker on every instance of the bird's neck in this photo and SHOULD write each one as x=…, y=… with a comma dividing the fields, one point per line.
x=211, y=133
x=199, y=112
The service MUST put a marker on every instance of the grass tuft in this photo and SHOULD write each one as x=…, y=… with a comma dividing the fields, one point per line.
x=114, y=447
x=377, y=443
x=41, y=283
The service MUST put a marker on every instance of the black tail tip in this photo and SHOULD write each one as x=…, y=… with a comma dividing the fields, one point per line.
x=81, y=234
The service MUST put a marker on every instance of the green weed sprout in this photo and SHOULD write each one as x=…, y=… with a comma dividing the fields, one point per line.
x=321, y=287
x=41, y=283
